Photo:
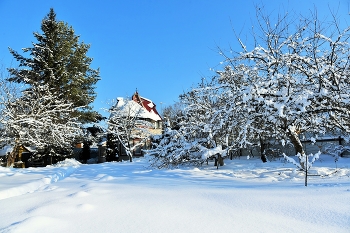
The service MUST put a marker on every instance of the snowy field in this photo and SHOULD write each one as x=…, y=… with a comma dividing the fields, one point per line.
x=243, y=196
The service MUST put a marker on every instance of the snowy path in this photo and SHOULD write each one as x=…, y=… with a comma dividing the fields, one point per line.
x=243, y=196
x=16, y=182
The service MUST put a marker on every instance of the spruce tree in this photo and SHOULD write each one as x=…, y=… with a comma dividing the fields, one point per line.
x=60, y=61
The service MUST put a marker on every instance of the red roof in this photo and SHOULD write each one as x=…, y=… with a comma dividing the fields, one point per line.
x=145, y=103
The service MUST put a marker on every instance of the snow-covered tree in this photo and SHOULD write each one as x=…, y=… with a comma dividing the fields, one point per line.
x=126, y=123
x=245, y=119
x=294, y=80
x=173, y=149
x=172, y=114
x=198, y=133
x=204, y=112
x=38, y=118
x=59, y=60
x=8, y=93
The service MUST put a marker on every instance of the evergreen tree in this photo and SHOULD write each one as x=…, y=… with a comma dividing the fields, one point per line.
x=60, y=61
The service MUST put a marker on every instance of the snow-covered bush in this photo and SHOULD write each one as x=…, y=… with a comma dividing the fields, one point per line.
x=176, y=147
x=336, y=150
x=173, y=149
x=306, y=160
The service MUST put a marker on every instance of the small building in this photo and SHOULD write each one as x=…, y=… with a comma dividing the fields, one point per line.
x=148, y=118
x=150, y=114
x=23, y=154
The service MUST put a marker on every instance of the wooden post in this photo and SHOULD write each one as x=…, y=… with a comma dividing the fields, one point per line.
x=306, y=170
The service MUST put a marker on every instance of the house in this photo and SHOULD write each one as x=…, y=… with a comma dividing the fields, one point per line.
x=143, y=109
x=150, y=114
x=147, y=117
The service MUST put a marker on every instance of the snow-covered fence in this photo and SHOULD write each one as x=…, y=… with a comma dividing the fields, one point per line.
x=325, y=144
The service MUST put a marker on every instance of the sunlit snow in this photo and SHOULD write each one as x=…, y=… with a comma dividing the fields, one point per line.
x=242, y=196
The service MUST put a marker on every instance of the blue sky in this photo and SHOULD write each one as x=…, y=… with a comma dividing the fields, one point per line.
x=160, y=47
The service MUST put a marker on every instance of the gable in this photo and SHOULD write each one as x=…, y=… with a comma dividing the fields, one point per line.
x=148, y=105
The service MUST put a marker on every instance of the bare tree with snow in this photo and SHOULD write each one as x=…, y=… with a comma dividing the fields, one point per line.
x=9, y=92
x=294, y=80
x=173, y=113
x=38, y=118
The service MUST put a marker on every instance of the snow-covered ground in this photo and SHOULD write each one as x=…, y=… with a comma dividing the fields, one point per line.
x=243, y=196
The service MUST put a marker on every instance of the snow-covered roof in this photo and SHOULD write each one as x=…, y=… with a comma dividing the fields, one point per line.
x=8, y=149
x=144, y=108
x=130, y=108
x=31, y=149
x=148, y=105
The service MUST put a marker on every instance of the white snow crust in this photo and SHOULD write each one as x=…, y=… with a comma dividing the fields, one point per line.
x=242, y=196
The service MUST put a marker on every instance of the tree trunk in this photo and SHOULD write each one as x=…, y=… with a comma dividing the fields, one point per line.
x=128, y=151
x=262, y=151
x=219, y=161
x=130, y=155
x=299, y=149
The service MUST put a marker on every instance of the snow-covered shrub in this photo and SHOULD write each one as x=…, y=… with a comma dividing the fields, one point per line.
x=173, y=149
x=306, y=160
x=336, y=150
